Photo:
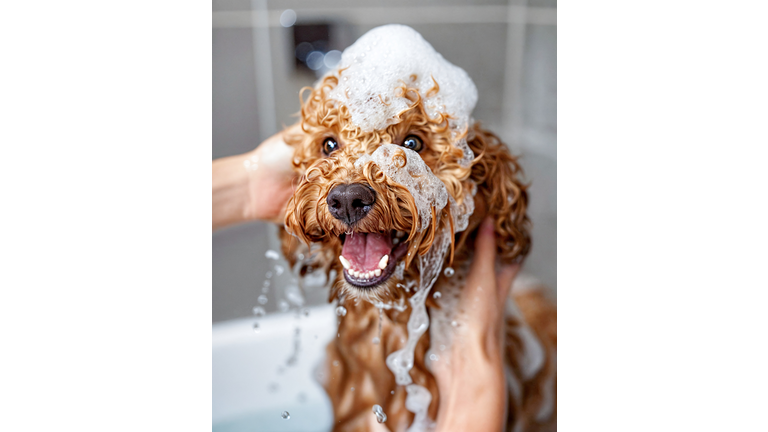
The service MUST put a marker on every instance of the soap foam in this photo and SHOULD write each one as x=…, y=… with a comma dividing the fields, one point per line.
x=373, y=68
x=427, y=190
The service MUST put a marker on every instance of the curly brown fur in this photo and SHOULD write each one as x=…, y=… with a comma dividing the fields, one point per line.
x=494, y=175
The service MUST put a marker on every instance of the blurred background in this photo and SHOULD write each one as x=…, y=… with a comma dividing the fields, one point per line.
x=265, y=51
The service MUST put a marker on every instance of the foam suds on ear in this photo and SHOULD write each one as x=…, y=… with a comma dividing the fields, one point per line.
x=386, y=58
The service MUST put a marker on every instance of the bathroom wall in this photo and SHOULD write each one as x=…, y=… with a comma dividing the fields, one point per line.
x=508, y=48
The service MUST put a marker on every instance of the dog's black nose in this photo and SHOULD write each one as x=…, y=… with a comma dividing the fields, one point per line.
x=350, y=202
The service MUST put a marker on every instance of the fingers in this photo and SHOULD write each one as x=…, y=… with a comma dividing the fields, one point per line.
x=504, y=280
x=485, y=249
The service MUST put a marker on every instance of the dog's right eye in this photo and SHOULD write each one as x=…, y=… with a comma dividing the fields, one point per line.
x=329, y=146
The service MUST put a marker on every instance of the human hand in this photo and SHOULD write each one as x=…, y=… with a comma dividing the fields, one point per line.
x=270, y=178
x=255, y=185
x=472, y=385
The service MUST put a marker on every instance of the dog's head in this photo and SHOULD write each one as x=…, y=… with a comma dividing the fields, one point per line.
x=391, y=165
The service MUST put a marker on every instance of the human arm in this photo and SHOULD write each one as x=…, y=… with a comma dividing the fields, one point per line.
x=473, y=393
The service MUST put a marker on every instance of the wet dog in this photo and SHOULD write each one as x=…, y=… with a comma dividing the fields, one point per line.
x=389, y=202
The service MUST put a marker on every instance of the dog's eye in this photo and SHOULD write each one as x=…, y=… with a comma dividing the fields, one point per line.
x=413, y=142
x=329, y=146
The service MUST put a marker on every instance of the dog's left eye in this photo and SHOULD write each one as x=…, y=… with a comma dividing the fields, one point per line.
x=413, y=142
x=329, y=146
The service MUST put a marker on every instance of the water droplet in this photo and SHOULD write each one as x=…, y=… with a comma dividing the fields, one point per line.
x=434, y=357
x=380, y=416
x=392, y=392
x=305, y=311
x=279, y=270
x=285, y=415
x=272, y=254
x=455, y=323
x=448, y=272
x=335, y=362
x=341, y=311
x=283, y=306
x=269, y=274
x=353, y=389
x=442, y=347
x=263, y=299
x=437, y=295
x=376, y=341
x=256, y=327
x=258, y=311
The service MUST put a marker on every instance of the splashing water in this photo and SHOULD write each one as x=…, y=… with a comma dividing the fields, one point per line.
x=380, y=416
x=341, y=311
x=285, y=415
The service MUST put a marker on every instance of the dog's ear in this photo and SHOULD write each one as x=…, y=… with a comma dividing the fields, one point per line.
x=501, y=194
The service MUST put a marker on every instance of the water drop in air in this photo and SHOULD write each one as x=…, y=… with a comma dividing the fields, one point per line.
x=272, y=254
x=263, y=299
x=341, y=311
x=455, y=323
x=285, y=415
x=283, y=306
x=434, y=357
x=255, y=327
x=448, y=272
x=376, y=341
x=437, y=295
x=258, y=311
x=380, y=416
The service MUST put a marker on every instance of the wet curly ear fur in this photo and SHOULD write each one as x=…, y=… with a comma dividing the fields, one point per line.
x=501, y=194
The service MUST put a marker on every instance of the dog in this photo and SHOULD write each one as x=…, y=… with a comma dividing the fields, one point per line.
x=389, y=202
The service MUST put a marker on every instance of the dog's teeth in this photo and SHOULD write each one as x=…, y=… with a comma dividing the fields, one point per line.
x=357, y=274
x=399, y=234
x=368, y=275
x=344, y=262
x=377, y=272
x=383, y=262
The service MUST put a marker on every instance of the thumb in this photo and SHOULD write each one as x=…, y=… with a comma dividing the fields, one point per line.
x=485, y=249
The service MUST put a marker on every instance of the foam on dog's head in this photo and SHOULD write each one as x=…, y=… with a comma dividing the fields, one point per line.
x=385, y=59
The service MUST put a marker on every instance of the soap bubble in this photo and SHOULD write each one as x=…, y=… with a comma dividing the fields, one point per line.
x=258, y=311
x=283, y=306
x=315, y=60
x=263, y=299
x=380, y=416
x=288, y=18
x=448, y=272
x=341, y=311
x=285, y=415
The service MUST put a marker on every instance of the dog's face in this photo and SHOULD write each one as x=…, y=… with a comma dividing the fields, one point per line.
x=377, y=200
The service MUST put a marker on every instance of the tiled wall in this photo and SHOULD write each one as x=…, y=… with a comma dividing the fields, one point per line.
x=508, y=49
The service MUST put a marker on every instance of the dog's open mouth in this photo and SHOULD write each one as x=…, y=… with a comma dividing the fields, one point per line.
x=369, y=259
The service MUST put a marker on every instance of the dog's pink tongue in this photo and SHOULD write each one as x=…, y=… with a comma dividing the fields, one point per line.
x=364, y=250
